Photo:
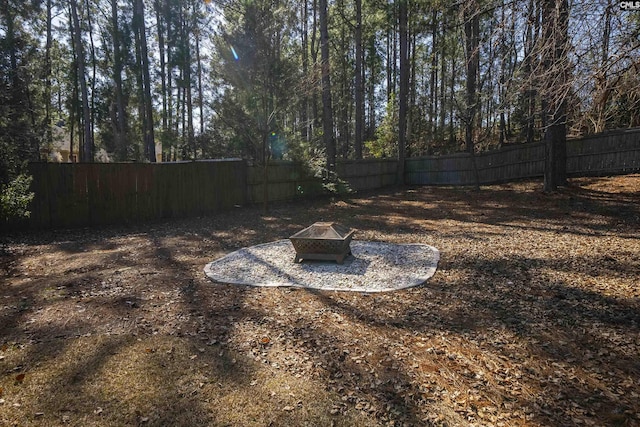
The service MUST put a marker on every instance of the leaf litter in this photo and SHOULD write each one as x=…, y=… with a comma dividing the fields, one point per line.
x=532, y=318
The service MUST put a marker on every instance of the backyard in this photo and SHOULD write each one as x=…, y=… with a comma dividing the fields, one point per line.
x=532, y=318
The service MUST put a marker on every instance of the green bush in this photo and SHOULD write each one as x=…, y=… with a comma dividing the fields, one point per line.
x=15, y=198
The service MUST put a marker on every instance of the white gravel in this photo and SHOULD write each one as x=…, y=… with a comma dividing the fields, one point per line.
x=372, y=267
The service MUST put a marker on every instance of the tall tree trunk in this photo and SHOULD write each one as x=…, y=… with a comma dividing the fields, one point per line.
x=150, y=136
x=359, y=89
x=188, y=86
x=388, y=57
x=93, y=68
x=555, y=56
x=343, y=115
x=169, y=73
x=603, y=90
x=503, y=80
x=87, y=151
x=200, y=91
x=314, y=60
x=139, y=77
x=47, y=94
x=73, y=110
x=443, y=85
x=452, y=95
x=147, y=126
x=163, y=66
x=403, y=99
x=531, y=34
x=547, y=61
x=472, y=44
x=305, y=128
x=327, y=110
x=412, y=95
x=182, y=95
x=371, y=89
x=433, y=80
x=344, y=91
x=120, y=126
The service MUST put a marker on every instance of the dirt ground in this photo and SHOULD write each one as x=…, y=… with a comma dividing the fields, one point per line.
x=532, y=318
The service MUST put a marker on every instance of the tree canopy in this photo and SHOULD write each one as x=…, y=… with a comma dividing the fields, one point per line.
x=118, y=79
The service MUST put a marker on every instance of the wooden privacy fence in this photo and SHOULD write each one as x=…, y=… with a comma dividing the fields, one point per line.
x=368, y=174
x=525, y=161
x=289, y=180
x=607, y=153
x=286, y=181
x=75, y=195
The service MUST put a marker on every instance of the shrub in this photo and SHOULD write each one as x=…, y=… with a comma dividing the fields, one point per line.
x=15, y=198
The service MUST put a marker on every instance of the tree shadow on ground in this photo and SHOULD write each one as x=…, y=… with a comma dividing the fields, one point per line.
x=504, y=206
x=520, y=321
x=53, y=342
x=582, y=332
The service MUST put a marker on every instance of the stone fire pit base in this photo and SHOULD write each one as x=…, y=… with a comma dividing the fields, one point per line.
x=373, y=267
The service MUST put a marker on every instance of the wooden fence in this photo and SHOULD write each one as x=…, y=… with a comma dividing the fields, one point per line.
x=76, y=195
x=288, y=180
x=517, y=162
x=607, y=153
x=368, y=174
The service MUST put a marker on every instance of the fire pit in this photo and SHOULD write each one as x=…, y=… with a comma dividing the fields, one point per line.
x=323, y=241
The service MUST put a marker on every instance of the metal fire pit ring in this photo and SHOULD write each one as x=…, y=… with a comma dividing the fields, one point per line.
x=325, y=241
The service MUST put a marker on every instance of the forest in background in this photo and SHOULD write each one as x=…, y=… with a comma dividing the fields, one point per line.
x=311, y=80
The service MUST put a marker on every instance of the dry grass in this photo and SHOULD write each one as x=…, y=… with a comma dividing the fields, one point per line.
x=533, y=318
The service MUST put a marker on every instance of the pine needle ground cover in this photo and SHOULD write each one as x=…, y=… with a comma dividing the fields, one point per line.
x=532, y=318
